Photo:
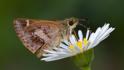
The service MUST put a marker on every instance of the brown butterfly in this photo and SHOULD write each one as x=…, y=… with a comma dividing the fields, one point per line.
x=38, y=35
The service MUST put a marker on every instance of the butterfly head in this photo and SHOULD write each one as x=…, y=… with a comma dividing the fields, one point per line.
x=72, y=22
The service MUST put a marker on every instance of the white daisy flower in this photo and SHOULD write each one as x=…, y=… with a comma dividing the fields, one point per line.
x=75, y=46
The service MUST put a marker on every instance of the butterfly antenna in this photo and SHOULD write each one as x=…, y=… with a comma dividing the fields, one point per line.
x=84, y=26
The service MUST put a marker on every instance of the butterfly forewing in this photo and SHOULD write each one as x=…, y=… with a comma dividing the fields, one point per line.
x=38, y=34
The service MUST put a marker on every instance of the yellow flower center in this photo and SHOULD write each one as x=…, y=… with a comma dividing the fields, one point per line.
x=71, y=47
x=80, y=45
x=85, y=41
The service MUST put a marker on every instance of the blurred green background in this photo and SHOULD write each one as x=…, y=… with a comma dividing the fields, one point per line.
x=109, y=55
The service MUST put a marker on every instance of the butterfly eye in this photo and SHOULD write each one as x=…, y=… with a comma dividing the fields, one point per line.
x=71, y=23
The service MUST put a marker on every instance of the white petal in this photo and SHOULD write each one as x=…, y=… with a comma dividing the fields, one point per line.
x=93, y=38
x=53, y=58
x=80, y=34
x=66, y=42
x=103, y=36
x=96, y=34
x=48, y=51
x=49, y=55
x=48, y=58
x=91, y=41
x=106, y=33
x=63, y=46
x=56, y=57
x=103, y=30
x=73, y=40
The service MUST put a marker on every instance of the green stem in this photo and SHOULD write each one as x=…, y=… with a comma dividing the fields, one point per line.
x=83, y=60
x=85, y=68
